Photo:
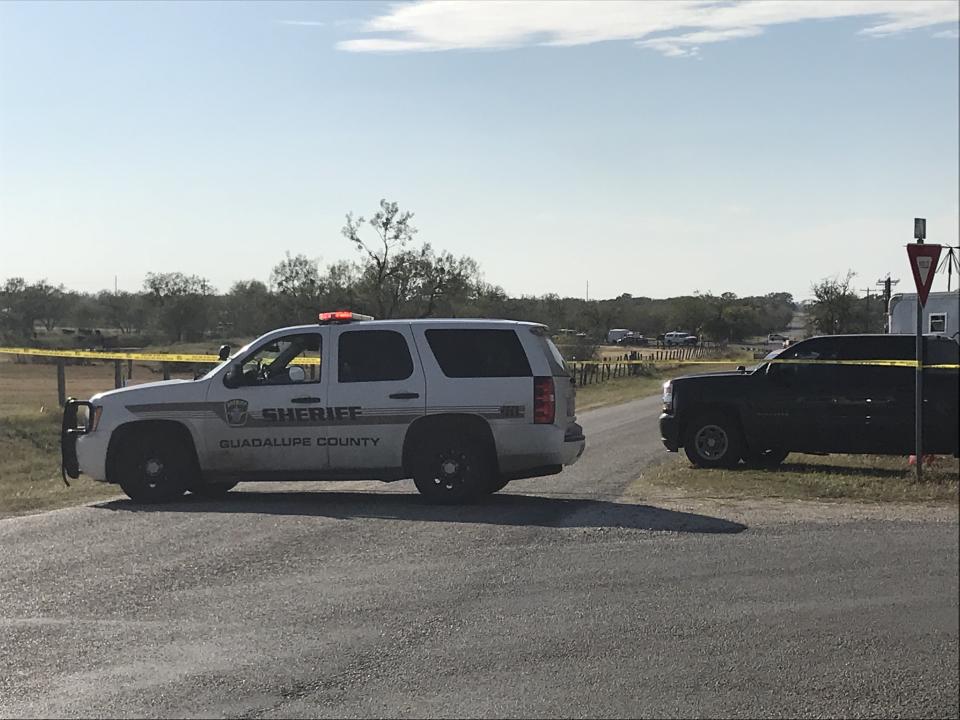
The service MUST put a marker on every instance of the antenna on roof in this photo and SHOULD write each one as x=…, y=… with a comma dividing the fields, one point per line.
x=951, y=262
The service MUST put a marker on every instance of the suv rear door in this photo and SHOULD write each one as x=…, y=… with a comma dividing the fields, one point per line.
x=377, y=390
x=477, y=370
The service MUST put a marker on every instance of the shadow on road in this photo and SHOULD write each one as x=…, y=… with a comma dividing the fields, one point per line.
x=503, y=509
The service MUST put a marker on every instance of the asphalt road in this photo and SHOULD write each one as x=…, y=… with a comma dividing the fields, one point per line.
x=557, y=598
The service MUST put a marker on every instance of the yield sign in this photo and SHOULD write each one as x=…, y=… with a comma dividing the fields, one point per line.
x=923, y=262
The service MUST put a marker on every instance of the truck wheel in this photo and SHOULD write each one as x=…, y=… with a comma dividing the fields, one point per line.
x=154, y=467
x=713, y=440
x=212, y=490
x=452, y=469
x=767, y=458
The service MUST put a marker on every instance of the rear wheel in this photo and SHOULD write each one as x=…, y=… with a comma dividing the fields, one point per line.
x=453, y=469
x=713, y=440
x=154, y=467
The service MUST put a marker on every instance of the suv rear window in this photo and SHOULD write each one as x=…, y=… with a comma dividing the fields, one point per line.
x=479, y=353
x=373, y=356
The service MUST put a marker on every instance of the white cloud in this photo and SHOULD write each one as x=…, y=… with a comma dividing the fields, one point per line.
x=948, y=34
x=672, y=27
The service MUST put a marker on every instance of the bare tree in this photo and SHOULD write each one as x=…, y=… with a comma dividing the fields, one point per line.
x=394, y=230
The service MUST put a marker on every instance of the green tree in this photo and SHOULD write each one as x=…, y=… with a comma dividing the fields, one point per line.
x=182, y=303
x=299, y=288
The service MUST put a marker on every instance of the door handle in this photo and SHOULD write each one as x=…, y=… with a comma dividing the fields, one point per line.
x=306, y=400
x=404, y=396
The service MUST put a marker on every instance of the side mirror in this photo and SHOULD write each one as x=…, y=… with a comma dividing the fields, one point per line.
x=224, y=352
x=232, y=377
x=296, y=374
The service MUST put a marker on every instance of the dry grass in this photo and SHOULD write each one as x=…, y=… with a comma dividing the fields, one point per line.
x=30, y=468
x=879, y=478
x=30, y=389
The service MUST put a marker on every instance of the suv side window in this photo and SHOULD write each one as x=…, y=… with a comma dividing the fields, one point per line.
x=373, y=356
x=479, y=353
x=289, y=360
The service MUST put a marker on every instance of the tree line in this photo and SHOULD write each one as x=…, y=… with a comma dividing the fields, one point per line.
x=393, y=277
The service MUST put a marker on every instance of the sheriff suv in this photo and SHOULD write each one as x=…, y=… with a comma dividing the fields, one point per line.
x=830, y=394
x=461, y=406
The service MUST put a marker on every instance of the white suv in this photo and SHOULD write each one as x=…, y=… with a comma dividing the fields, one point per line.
x=461, y=406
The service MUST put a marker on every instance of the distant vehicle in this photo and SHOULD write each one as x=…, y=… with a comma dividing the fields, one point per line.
x=776, y=337
x=941, y=314
x=635, y=339
x=813, y=397
x=616, y=334
x=461, y=406
x=679, y=338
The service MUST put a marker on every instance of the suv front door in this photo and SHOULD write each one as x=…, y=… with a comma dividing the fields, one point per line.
x=376, y=390
x=268, y=411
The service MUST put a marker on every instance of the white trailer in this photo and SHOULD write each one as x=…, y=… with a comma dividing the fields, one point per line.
x=941, y=314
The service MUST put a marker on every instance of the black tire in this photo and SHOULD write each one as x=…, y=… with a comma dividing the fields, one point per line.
x=767, y=458
x=154, y=467
x=713, y=440
x=212, y=490
x=451, y=469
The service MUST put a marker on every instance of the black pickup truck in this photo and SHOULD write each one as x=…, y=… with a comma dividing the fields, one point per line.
x=826, y=394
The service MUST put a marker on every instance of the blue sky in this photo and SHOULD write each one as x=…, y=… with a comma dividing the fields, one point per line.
x=654, y=149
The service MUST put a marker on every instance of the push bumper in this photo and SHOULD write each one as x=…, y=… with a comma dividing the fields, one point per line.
x=670, y=432
x=70, y=431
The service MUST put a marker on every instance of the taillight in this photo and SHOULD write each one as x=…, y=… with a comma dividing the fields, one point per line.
x=544, y=401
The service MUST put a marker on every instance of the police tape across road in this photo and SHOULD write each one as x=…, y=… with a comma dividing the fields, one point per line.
x=213, y=359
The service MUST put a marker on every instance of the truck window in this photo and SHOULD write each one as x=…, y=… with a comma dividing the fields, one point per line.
x=479, y=353
x=373, y=356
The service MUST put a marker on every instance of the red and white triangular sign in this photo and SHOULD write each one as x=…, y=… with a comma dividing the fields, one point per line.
x=923, y=262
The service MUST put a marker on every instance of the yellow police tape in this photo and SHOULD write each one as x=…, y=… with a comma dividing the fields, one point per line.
x=190, y=358
x=149, y=357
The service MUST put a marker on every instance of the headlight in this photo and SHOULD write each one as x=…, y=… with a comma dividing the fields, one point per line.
x=667, y=396
x=95, y=417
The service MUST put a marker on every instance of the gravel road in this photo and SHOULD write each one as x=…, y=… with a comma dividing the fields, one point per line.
x=560, y=597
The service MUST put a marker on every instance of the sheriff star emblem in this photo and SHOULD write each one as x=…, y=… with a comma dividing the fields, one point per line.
x=236, y=411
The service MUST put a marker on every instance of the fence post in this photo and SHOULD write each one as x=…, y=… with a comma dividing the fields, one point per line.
x=166, y=370
x=61, y=383
x=129, y=369
x=117, y=374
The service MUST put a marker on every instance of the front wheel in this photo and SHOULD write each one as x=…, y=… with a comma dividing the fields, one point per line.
x=713, y=440
x=154, y=467
x=451, y=470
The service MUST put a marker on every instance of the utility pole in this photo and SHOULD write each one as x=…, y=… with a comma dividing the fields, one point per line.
x=886, y=283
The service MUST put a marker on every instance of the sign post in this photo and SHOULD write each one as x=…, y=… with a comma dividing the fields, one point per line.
x=923, y=263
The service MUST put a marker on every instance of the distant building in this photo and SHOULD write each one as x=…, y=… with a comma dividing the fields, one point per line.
x=941, y=314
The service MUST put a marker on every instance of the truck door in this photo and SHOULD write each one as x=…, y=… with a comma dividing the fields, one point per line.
x=803, y=404
x=377, y=389
x=268, y=410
